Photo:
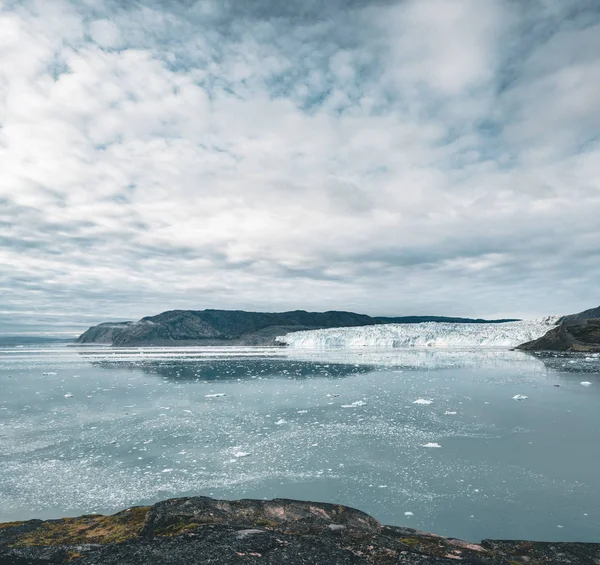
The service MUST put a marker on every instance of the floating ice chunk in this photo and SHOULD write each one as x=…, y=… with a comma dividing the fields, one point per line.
x=586, y=383
x=280, y=422
x=408, y=514
x=520, y=397
x=167, y=470
x=449, y=413
x=188, y=411
x=217, y=395
x=354, y=404
x=49, y=374
x=241, y=454
x=302, y=411
x=68, y=395
x=433, y=444
x=422, y=401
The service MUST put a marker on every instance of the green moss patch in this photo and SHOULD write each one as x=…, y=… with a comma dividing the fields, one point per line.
x=10, y=525
x=87, y=529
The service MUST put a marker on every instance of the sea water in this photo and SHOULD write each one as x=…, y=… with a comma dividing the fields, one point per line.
x=430, y=439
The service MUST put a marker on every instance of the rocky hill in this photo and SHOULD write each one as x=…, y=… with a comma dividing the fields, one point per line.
x=577, y=332
x=233, y=327
x=202, y=530
x=574, y=319
x=583, y=337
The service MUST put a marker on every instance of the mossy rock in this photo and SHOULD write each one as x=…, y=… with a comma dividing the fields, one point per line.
x=94, y=529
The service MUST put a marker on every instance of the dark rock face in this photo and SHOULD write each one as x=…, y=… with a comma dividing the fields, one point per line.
x=202, y=530
x=581, y=318
x=232, y=327
x=582, y=337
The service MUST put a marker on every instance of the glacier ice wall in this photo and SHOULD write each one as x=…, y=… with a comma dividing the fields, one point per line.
x=429, y=334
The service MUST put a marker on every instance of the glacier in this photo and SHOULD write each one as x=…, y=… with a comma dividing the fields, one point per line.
x=428, y=334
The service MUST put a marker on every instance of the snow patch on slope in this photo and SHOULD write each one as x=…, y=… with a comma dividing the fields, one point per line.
x=428, y=334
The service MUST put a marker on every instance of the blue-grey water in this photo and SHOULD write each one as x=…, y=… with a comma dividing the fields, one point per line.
x=95, y=429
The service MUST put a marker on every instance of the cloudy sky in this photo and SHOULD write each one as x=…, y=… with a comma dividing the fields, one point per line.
x=382, y=156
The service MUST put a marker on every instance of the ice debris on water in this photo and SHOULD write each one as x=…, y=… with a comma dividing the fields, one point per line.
x=280, y=422
x=520, y=397
x=68, y=395
x=354, y=404
x=241, y=454
x=216, y=395
x=408, y=514
x=586, y=383
x=450, y=413
x=49, y=374
x=422, y=401
x=432, y=444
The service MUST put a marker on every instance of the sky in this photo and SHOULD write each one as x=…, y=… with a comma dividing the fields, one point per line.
x=388, y=157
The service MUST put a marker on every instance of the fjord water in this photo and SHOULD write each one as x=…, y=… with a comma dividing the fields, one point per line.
x=96, y=429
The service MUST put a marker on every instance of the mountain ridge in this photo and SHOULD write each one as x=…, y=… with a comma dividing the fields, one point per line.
x=237, y=327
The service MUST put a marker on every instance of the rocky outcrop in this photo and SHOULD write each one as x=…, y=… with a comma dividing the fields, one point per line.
x=202, y=530
x=582, y=337
x=581, y=318
x=233, y=327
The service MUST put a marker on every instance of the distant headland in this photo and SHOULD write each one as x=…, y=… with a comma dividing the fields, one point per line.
x=237, y=327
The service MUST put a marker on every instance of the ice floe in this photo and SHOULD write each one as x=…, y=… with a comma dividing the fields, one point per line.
x=354, y=404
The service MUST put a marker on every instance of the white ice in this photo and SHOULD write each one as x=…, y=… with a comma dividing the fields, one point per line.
x=429, y=334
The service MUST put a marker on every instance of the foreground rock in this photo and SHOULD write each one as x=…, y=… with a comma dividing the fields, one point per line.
x=203, y=530
x=233, y=327
x=583, y=337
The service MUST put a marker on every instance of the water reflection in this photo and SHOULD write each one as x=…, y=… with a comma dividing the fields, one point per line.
x=232, y=363
x=227, y=370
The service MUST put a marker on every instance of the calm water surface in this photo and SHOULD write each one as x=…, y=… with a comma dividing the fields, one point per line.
x=97, y=429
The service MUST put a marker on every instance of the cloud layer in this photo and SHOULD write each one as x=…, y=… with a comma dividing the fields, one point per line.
x=388, y=157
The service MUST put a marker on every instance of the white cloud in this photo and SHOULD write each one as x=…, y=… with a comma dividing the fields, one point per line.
x=419, y=157
x=106, y=34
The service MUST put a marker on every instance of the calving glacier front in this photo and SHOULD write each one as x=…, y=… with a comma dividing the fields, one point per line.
x=429, y=334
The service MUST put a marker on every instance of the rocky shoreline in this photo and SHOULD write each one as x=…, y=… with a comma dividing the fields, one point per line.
x=204, y=530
